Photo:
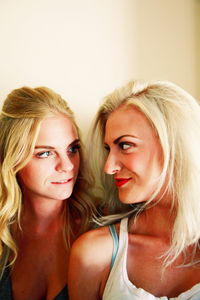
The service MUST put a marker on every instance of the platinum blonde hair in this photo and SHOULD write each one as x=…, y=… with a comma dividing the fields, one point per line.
x=175, y=116
x=20, y=119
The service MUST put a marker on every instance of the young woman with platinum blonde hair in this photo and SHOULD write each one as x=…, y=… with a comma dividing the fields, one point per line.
x=44, y=200
x=147, y=135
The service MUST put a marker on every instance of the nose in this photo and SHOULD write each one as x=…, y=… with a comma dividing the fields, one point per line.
x=112, y=164
x=64, y=164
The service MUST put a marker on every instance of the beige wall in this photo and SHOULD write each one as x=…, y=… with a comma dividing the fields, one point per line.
x=83, y=49
x=197, y=44
x=166, y=42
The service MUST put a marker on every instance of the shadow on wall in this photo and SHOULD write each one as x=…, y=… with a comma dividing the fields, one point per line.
x=197, y=54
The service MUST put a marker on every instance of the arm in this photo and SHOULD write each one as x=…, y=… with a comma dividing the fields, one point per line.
x=89, y=264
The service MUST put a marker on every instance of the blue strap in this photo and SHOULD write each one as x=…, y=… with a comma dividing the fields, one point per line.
x=115, y=243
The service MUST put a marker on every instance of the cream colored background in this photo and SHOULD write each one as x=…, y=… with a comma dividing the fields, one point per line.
x=83, y=49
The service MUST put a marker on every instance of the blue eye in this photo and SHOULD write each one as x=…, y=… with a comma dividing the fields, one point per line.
x=44, y=154
x=74, y=148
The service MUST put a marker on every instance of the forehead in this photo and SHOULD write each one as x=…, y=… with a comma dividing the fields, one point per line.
x=128, y=120
x=55, y=127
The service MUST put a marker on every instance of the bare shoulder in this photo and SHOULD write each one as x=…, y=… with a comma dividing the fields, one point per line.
x=97, y=241
x=90, y=259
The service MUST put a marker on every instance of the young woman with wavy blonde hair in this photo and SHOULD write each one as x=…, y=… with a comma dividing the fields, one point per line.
x=44, y=200
x=147, y=135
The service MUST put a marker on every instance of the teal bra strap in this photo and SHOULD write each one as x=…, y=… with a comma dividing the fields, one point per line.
x=115, y=243
x=4, y=260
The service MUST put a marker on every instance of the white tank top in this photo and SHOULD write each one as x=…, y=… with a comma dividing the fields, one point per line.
x=119, y=287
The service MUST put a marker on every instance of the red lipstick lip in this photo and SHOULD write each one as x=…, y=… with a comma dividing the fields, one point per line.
x=62, y=181
x=121, y=181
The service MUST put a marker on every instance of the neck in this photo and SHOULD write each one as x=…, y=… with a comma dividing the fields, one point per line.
x=41, y=215
x=157, y=220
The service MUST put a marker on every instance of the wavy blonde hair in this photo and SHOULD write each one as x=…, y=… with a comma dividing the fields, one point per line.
x=20, y=119
x=175, y=116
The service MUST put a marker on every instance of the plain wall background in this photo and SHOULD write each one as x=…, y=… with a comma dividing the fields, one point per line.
x=83, y=49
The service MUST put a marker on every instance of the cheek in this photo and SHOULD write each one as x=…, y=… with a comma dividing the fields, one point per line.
x=76, y=163
x=136, y=162
x=30, y=174
x=25, y=179
x=25, y=173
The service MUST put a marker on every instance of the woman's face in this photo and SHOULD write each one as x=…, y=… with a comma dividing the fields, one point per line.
x=134, y=154
x=52, y=171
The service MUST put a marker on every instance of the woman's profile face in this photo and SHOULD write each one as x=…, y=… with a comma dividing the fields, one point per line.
x=134, y=154
x=52, y=171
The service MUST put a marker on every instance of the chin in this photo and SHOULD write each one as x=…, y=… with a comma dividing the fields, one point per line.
x=125, y=197
x=130, y=200
x=125, y=200
x=61, y=196
x=64, y=197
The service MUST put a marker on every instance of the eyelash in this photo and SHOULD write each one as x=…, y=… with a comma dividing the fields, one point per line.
x=41, y=154
x=121, y=146
x=130, y=145
x=71, y=150
x=74, y=149
x=106, y=147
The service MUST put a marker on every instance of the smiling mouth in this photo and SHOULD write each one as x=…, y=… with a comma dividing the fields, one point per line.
x=121, y=181
x=64, y=181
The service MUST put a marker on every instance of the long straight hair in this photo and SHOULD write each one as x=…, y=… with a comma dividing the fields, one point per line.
x=175, y=116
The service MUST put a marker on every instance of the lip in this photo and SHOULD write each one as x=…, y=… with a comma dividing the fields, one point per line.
x=121, y=181
x=62, y=181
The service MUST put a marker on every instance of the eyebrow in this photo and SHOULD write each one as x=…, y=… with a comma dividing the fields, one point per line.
x=120, y=137
x=50, y=147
